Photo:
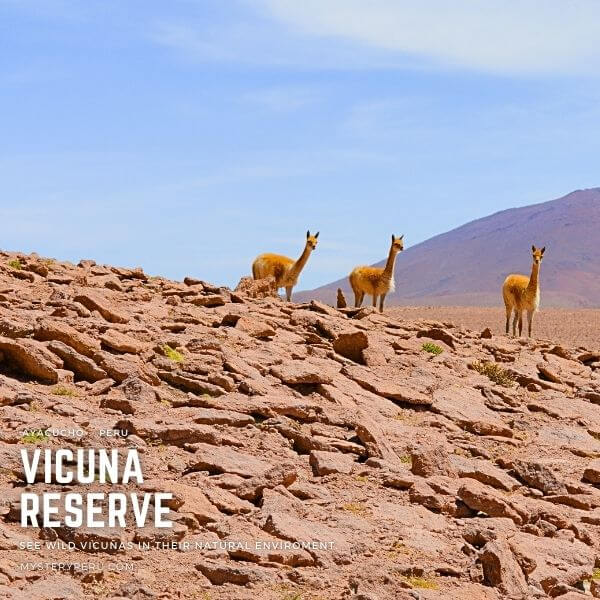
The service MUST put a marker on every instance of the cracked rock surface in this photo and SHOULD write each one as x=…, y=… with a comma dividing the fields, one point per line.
x=275, y=424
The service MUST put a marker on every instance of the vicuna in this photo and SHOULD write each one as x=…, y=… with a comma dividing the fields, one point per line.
x=376, y=281
x=523, y=293
x=285, y=270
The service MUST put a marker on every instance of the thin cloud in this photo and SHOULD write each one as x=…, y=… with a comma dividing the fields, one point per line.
x=518, y=36
x=283, y=99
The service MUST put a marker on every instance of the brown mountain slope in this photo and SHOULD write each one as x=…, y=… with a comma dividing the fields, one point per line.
x=466, y=266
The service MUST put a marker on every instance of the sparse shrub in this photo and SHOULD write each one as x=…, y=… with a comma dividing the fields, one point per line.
x=172, y=354
x=406, y=459
x=356, y=508
x=494, y=372
x=15, y=264
x=62, y=390
x=432, y=348
x=421, y=582
x=596, y=574
x=34, y=437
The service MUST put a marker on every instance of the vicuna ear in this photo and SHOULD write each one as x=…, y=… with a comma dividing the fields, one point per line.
x=317, y=234
x=402, y=237
x=543, y=250
x=307, y=234
x=533, y=248
x=393, y=238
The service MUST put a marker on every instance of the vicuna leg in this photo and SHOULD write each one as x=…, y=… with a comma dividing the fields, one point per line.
x=358, y=297
x=515, y=321
x=288, y=292
x=508, y=313
x=381, y=299
x=374, y=300
x=529, y=322
x=520, y=323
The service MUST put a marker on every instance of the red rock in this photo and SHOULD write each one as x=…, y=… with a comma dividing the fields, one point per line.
x=383, y=386
x=83, y=367
x=592, y=472
x=227, y=502
x=30, y=358
x=539, y=475
x=188, y=498
x=485, y=472
x=551, y=562
x=289, y=527
x=209, y=301
x=467, y=409
x=501, y=570
x=438, y=334
x=227, y=460
x=254, y=327
x=120, y=368
x=96, y=301
x=431, y=460
x=191, y=383
x=219, y=573
x=372, y=436
x=252, y=489
x=480, y=497
x=122, y=343
x=325, y=463
x=298, y=372
x=257, y=288
x=351, y=344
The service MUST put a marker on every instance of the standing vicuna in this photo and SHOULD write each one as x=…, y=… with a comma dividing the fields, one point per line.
x=523, y=293
x=376, y=281
x=285, y=270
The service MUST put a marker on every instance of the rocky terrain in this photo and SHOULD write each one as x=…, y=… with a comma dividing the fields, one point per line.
x=432, y=461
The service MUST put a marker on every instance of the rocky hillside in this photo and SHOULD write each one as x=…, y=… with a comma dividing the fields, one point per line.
x=324, y=454
x=466, y=266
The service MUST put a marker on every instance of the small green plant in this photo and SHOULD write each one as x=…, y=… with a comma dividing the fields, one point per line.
x=172, y=354
x=421, y=583
x=34, y=437
x=406, y=459
x=62, y=390
x=356, y=508
x=494, y=372
x=15, y=264
x=596, y=574
x=432, y=348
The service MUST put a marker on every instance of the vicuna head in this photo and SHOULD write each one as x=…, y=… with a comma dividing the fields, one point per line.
x=538, y=254
x=397, y=243
x=311, y=240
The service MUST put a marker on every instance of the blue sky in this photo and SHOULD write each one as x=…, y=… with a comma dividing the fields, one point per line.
x=188, y=136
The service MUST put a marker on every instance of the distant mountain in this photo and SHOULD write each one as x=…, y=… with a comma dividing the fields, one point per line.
x=466, y=266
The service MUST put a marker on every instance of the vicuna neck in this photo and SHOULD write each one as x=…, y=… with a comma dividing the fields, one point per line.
x=299, y=264
x=389, y=265
x=534, y=279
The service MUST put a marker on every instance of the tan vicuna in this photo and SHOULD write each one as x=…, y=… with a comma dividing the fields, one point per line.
x=285, y=270
x=376, y=281
x=522, y=293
